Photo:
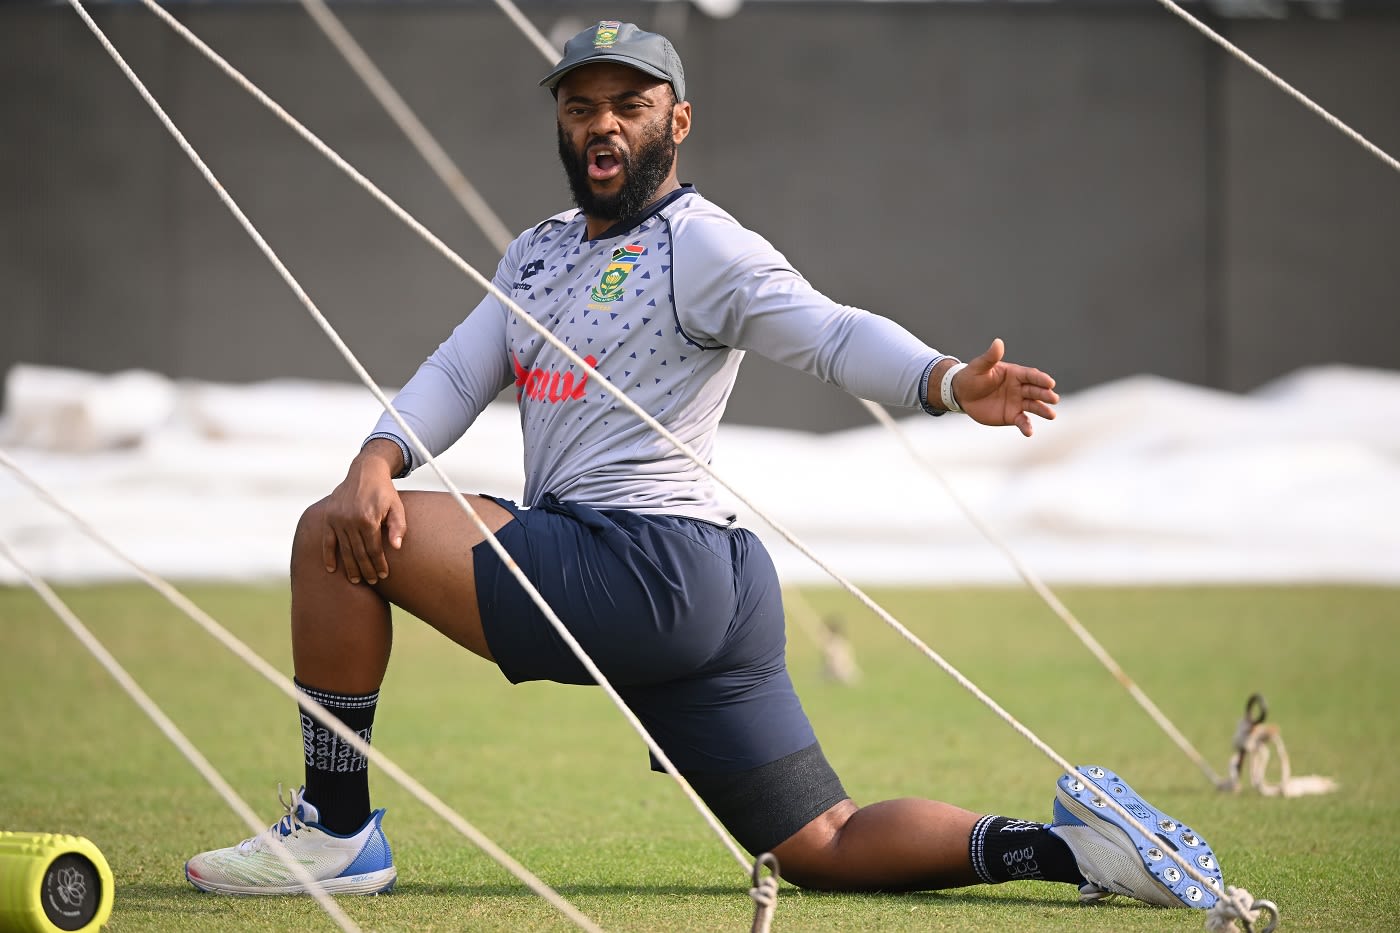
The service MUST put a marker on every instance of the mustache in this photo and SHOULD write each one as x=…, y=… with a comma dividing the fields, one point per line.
x=605, y=142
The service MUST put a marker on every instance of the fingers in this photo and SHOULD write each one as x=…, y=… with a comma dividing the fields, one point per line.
x=396, y=524
x=328, y=548
x=1022, y=418
x=380, y=562
x=368, y=556
x=1036, y=399
x=1040, y=393
x=1025, y=375
x=1034, y=378
x=350, y=551
x=362, y=555
x=993, y=355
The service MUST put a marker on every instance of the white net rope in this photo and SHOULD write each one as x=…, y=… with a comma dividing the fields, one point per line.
x=171, y=731
x=836, y=651
x=487, y=221
x=1048, y=596
x=284, y=684
x=1283, y=85
x=624, y=400
x=482, y=842
x=414, y=129
x=414, y=441
x=422, y=451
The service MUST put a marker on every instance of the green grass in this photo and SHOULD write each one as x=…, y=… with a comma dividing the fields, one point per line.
x=555, y=776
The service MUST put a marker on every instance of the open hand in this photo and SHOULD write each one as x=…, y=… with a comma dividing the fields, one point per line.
x=995, y=392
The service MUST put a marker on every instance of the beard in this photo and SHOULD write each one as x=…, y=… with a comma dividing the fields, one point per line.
x=643, y=171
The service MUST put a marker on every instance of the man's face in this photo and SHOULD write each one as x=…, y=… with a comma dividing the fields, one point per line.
x=618, y=131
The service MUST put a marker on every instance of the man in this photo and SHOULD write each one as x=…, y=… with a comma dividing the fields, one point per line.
x=661, y=292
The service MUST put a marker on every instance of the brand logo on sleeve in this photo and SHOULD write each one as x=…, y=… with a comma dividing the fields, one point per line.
x=609, y=287
x=527, y=271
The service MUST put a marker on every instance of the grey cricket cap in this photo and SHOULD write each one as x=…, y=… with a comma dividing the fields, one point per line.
x=626, y=44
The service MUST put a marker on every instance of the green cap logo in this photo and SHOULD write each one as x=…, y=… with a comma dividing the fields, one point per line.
x=606, y=34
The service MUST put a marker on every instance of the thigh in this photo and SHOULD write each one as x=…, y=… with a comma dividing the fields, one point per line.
x=738, y=711
x=432, y=575
x=649, y=598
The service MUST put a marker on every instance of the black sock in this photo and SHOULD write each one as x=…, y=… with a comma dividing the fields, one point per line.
x=337, y=776
x=1003, y=849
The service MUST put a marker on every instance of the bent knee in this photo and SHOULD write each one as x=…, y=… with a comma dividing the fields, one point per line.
x=313, y=517
x=312, y=521
x=306, y=540
x=810, y=858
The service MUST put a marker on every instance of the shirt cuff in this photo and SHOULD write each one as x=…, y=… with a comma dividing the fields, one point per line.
x=403, y=447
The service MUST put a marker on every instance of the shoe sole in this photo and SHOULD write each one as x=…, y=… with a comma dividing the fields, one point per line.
x=369, y=883
x=1078, y=799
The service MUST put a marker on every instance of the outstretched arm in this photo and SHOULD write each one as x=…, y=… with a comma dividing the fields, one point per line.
x=993, y=391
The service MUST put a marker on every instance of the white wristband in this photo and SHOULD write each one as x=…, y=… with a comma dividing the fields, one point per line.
x=945, y=389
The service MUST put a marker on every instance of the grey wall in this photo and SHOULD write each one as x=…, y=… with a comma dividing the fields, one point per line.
x=1097, y=185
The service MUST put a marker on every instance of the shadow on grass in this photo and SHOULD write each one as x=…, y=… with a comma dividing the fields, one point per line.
x=969, y=897
x=137, y=893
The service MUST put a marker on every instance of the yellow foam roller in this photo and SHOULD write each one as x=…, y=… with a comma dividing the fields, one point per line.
x=52, y=883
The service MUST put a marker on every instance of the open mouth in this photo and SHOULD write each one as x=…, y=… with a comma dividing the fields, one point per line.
x=603, y=163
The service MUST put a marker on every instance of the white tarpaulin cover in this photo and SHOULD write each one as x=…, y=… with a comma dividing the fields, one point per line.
x=1139, y=481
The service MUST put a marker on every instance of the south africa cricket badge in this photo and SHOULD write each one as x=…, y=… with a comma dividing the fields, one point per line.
x=609, y=287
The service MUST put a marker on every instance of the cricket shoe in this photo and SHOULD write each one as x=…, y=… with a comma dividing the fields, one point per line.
x=360, y=863
x=1116, y=858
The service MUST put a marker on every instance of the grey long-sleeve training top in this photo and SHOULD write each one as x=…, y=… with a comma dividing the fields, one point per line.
x=664, y=307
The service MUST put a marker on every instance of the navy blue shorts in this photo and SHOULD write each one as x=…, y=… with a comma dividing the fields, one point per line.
x=683, y=617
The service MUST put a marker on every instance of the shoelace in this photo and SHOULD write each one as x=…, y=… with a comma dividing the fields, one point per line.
x=290, y=824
